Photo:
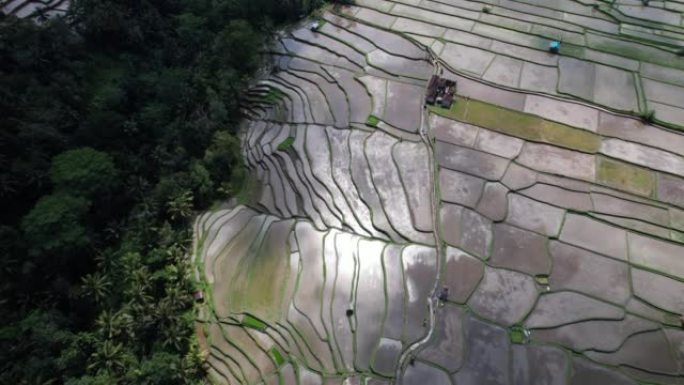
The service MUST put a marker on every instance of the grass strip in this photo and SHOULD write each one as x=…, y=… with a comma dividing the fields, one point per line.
x=626, y=177
x=252, y=322
x=519, y=124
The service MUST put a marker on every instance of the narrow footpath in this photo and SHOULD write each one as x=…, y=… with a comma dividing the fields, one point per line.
x=432, y=300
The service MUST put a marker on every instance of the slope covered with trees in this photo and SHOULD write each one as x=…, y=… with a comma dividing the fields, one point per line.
x=118, y=123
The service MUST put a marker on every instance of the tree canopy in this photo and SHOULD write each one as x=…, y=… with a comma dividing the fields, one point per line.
x=83, y=171
x=119, y=124
x=54, y=225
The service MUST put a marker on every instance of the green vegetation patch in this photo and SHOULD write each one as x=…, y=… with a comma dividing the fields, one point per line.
x=252, y=322
x=542, y=279
x=568, y=49
x=248, y=190
x=677, y=236
x=273, y=96
x=634, y=50
x=372, y=121
x=517, y=334
x=648, y=116
x=256, y=275
x=520, y=124
x=624, y=176
x=672, y=319
x=277, y=356
x=286, y=144
x=321, y=22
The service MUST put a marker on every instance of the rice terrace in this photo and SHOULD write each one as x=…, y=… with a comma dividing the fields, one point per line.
x=454, y=192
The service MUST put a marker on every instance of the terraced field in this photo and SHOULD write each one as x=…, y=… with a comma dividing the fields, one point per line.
x=34, y=8
x=549, y=200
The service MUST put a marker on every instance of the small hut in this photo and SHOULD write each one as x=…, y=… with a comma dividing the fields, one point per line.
x=440, y=91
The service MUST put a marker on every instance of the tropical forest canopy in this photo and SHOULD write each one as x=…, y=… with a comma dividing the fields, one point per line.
x=118, y=124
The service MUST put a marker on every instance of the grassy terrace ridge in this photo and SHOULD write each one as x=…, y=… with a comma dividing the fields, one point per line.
x=519, y=124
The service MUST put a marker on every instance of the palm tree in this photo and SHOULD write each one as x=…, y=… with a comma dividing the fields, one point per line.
x=97, y=286
x=109, y=357
x=113, y=324
x=174, y=335
x=180, y=206
x=139, y=287
x=177, y=298
x=138, y=296
x=165, y=313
